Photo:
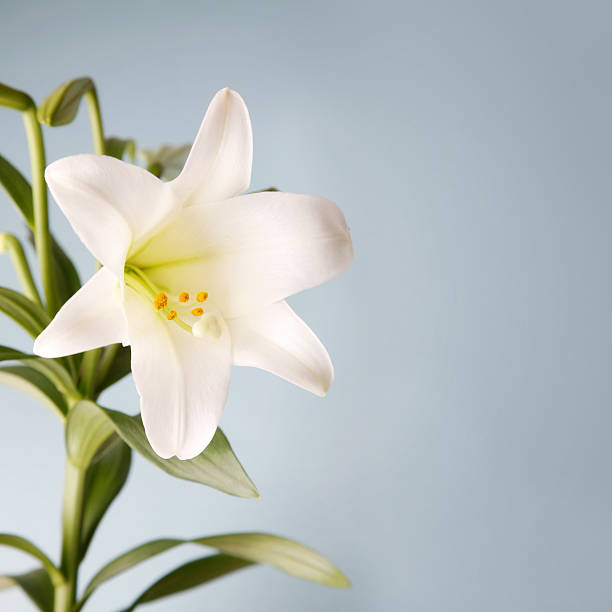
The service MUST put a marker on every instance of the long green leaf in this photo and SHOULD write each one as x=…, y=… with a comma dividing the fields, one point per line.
x=15, y=541
x=23, y=311
x=60, y=106
x=282, y=553
x=35, y=384
x=20, y=193
x=190, y=575
x=50, y=368
x=120, y=367
x=87, y=428
x=36, y=584
x=18, y=190
x=104, y=480
x=217, y=466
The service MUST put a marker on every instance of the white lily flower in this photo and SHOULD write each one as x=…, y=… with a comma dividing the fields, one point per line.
x=194, y=276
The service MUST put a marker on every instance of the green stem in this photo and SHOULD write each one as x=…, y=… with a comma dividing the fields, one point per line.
x=106, y=361
x=90, y=360
x=88, y=372
x=72, y=515
x=11, y=244
x=95, y=119
x=42, y=239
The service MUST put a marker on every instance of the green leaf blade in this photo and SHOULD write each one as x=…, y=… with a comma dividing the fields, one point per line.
x=15, y=541
x=26, y=313
x=35, y=384
x=190, y=575
x=103, y=482
x=18, y=189
x=61, y=105
x=282, y=553
x=36, y=584
x=217, y=466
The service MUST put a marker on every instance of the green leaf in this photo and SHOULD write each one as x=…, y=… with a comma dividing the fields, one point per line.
x=217, y=466
x=20, y=193
x=166, y=162
x=104, y=480
x=35, y=384
x=66, y=276
x=120, y=367
x=50, y=368
x=15, y=541
x=61, y=106
x=190, y=575
x=18, y=190
x=14, y=98
x=36, y=584
x=87, y=428
x=118, y=147
x=23, y=311
x=286, y=555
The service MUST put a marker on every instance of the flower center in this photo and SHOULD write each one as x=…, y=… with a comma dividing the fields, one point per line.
x=180, y=309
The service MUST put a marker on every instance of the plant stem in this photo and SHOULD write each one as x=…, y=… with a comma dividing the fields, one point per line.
x=11, y=244
x=42, y=239
x=72, y=515
x=90, y=360
x=95, y=119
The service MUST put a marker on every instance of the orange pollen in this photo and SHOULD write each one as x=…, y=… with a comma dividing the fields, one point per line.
x=171, y=315
x=184, y=297
x=197, y=312
x=161, y=301
x=202, y=296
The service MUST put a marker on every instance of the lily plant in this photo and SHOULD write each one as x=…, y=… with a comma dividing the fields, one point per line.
x=192, y=277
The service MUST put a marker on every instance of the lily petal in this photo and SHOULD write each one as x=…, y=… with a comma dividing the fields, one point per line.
x=250, y=251
x=277, y=340
x=111, y=205
x=182, y=380
x=91, y=318
x=219, y=164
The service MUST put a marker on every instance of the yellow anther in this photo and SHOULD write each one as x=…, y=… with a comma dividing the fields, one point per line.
x=184, y=297
x=202, y=296
x=197, y=312
x=171, y=315
x=161, y=301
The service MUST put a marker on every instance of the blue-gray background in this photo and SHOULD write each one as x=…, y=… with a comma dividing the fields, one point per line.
x=462, y=458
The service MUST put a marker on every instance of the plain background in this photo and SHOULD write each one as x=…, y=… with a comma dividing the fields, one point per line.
x=462, y=458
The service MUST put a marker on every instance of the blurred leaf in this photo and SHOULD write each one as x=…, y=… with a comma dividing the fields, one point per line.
x=60, y=107
x=286, y=555
x=14, y=98
x=23, y=311
x=18, y=190
x=20, y=193
x=190, y=575
x=35, y=384
x=166, y=162
x=266, y=189
x=15, y=541
x=36, y=584
x=50, y=368
x=87, y=427
x=66, y=276
x=120, y=367
x=104, y=480
x=217, y=466
x=118, y=147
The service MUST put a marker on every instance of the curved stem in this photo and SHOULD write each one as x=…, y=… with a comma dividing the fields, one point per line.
x=11, y=244
x=91, y=358
x=42, y=239
x=95, y=119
